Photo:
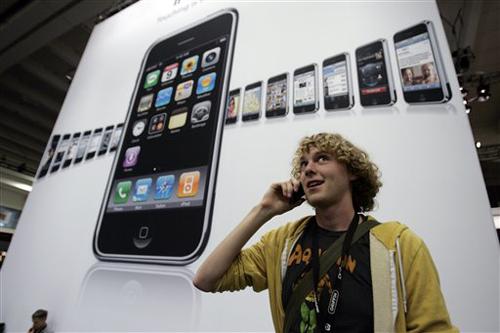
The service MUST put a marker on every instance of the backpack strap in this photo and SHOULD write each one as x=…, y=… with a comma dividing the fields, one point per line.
x=327, y=260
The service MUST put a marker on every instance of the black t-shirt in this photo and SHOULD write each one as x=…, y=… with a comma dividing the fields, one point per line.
x=354, y=311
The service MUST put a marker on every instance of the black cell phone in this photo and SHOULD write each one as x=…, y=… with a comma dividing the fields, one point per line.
x=70, y=155
x=277, y=96
x=337, y=85
x=420, y=66
x=376, y=86
x=94, y=143
x=297, y=195
x=60, y=153
x=106, y=139
x=305, y=89
x=82, y=147
x=159, y=199
x=233, y=106
x=115, y=139
x=48, y=156
x=252, y=102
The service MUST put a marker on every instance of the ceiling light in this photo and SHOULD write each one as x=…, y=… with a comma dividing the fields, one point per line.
x=464, y=91
x=483, y=92
x=467, y=109
x=478, y=144
x=18, y=185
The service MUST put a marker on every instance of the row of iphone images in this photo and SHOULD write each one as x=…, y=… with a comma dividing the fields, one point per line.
x=419, y=64
x=64, y=150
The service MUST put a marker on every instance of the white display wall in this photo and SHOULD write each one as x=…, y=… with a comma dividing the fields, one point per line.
x=430, y=170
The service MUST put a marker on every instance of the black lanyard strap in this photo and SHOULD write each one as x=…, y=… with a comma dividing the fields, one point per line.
x=325, y=318
x=327, y=260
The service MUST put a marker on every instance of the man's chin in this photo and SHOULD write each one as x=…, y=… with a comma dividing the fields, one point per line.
x=318, y=201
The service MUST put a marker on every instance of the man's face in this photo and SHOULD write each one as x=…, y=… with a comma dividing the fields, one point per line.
x=38, y=323
x=408, y=75
x=325, y=180
x=427, y=70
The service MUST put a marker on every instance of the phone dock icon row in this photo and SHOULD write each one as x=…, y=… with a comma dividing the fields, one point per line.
x=142, y=190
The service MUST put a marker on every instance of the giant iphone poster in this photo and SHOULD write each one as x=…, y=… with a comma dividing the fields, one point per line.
x=285, y=70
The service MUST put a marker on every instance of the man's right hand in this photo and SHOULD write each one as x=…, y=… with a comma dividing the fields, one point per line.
x=277, y=198
x=276, y=201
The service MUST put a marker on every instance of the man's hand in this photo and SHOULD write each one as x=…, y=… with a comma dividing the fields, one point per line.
x=275, y=201
x=277, y=198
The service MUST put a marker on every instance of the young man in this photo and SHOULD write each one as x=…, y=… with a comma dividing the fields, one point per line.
x=382, y=278
x=39, y=318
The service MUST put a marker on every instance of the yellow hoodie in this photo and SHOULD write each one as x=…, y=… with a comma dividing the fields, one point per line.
x=406, y=292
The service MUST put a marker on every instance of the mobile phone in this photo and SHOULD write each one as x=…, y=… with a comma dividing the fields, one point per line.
x=297, y=195
x=48, y=156
x=305, y=89
x=94, y=143
x=115, y=139
x=82, y=147
x=158, y=202
x=252, y=102
x=233, y=106
x=420, y=66
x=375, y=81
x=277, y=96
x=70, y=155
x=106, y=138
x=337, y=86
x=60, y=153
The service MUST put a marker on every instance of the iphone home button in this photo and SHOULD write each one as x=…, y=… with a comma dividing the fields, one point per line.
x=142, y=240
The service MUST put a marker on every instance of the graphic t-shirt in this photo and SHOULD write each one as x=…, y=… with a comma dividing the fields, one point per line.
x=354, y=311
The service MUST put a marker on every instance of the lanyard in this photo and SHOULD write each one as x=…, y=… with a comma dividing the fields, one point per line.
x=325, y=320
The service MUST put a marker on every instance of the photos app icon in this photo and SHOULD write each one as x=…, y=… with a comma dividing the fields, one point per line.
x=189, y=65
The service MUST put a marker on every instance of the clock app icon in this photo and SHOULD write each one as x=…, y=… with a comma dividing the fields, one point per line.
x=139, y=127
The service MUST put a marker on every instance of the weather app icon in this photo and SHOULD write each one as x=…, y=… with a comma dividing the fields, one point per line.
x=206, y=83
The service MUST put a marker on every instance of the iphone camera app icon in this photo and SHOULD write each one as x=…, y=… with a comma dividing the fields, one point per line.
x=211, y=57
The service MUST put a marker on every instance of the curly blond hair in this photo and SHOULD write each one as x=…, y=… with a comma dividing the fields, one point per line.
x=367, y=183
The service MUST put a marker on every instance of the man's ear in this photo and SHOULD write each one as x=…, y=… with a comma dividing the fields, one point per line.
x=352, y=177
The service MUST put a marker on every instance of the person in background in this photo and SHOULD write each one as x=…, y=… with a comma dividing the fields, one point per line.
x=39, y=319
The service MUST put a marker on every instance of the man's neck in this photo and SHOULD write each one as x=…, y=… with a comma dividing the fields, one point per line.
x=336, y=217
x=41, y=328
